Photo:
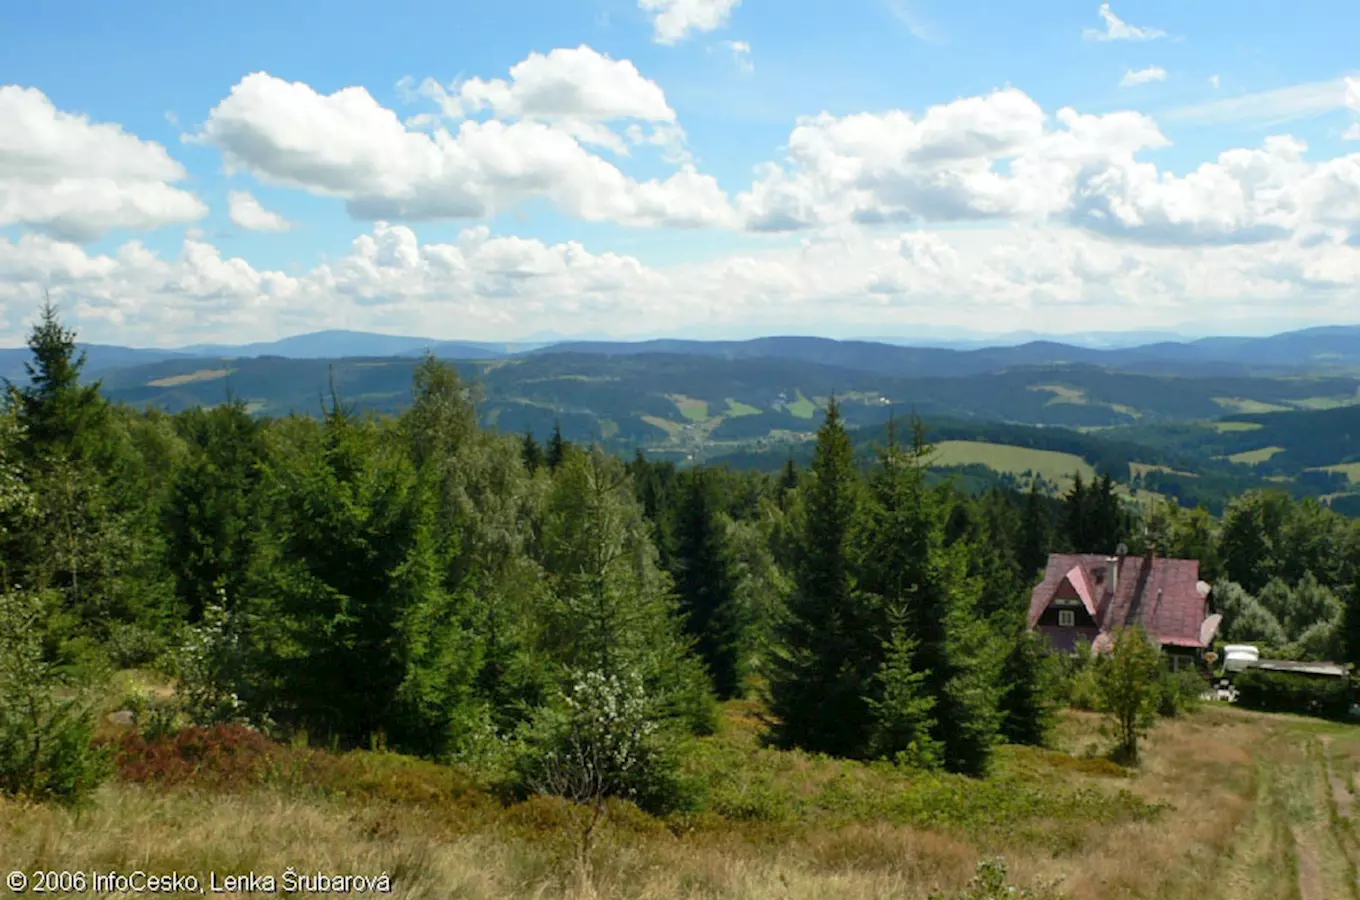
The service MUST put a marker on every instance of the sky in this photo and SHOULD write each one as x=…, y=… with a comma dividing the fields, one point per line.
x=173, y=173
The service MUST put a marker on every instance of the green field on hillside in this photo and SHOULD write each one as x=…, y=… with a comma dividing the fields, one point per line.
x=803, y=408
x=1255, y=457
x=736, y=409
x=1050, y=464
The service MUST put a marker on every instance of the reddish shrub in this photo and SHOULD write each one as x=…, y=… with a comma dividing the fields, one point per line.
x=224, y=755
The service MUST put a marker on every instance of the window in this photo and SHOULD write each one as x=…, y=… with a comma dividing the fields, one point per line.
x=1067, y=618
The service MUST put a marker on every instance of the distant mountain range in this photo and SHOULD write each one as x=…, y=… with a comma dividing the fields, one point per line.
x=1321, y=349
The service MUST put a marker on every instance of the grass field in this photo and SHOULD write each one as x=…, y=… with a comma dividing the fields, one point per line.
x=1137, y=469
x=691, y=409
x=736, y=409
x=1350, y=470
x=1050, y=464
x=672, y=429
x=1228, y=427
x=190, y=378
x=1326, y=402
x=803, y=408
x=1247, y=405
x=1255, y=457
x=1227, y=805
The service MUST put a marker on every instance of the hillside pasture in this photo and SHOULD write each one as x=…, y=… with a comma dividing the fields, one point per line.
x=1234, y=427
x=736, y=409
x=1247, y=405
x=692, y=409
x=1254, y=457
x=1051, y=464
x=1351, y=470
x=801, y=407
x=190, y=378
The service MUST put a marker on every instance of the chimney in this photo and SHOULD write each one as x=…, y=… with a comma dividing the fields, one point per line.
x=1112, y=573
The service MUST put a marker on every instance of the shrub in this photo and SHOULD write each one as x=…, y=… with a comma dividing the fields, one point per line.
x=222, y=755
x=47, y=725
x=130, y=645
x=1179, y=692
x=209, y=665
x=1127, y=677
x=1328, y=698
x=601, y=740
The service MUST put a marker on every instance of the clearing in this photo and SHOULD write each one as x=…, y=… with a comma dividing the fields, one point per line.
x=190, y=377
x=691, y=409
x=1051, y=464
x=1350, y=470
x=1228, y=427
x=736, y=409
x=1247, y=405
x=1227, y=805
x=803, y=408
x=1255, y=457
x=1138, y=469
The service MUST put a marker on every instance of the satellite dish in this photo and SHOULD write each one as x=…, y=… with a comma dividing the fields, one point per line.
x=1203, y=588
x=1122, y=549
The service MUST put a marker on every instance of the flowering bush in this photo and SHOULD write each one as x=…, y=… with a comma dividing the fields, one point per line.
x=601, y=740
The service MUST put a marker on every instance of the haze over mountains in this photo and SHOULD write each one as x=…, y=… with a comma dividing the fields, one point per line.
x=1320, y=348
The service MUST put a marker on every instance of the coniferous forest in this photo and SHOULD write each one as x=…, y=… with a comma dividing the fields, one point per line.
x=561, y=620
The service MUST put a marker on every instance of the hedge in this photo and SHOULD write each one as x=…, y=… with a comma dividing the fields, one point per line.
x=1327, y=698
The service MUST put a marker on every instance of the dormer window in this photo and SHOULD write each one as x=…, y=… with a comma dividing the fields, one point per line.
x=1066, y=618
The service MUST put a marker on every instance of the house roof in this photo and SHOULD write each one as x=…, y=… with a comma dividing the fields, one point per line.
x=1160, y=595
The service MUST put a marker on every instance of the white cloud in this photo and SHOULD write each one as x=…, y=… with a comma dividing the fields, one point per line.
x=566, y=84
x=1116, y=29
x=246, y=212
x=1268, y=108
x=844, y=280
x=63, y=174
x=347, y=145
x=1134, y=77
x=916, y=26
x=1214, y=81
x=741, y=55
x=1353, y=101
x=673, y=20
x=999, y=157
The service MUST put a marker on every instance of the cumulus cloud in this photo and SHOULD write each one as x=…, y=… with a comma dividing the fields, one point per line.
x=673, y=20
x=1142, y=76
x=76, y=179
x=844, y=278
x=246, y=212
x=347, y=145
x=1116, y=29
x=1000, y=157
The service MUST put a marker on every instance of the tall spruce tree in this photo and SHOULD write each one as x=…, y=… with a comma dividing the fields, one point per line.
x=816, y=678
x=531, y=453
x=954, y=647
x=211, y=516
x=706, y=588
x=557, y=447
x=1035, y=533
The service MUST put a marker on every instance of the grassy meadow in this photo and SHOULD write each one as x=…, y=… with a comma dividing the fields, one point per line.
x=1226, y=804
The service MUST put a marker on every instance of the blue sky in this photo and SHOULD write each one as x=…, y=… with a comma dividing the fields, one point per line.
x=868, y=166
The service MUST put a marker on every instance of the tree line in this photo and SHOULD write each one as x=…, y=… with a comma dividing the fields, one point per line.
x=420, y=582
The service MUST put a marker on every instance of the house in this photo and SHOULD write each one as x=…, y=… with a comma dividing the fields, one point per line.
x=1088, y=596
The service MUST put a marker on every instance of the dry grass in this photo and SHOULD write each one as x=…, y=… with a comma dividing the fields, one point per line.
x=1245, y=799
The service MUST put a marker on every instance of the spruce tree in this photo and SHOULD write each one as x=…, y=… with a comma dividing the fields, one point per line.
x=816, y=679
x=211, y=515
x=908, y=565
x=557, y=447
x=531, y=454
x=1076, y=517
x=1028, y=686
x=1036, y=532
x=706, y=588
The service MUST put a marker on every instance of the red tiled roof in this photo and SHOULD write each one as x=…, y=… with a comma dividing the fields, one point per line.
x=1161, y=597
